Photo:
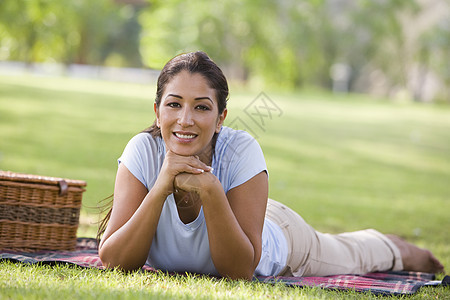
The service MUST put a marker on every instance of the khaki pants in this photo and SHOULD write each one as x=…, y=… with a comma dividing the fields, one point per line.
x=312, y=253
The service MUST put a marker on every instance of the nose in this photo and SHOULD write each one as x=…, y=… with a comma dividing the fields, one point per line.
x=185, y=119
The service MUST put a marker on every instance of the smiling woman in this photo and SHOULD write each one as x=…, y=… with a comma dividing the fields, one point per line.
x=191, y=195
x=188, y=116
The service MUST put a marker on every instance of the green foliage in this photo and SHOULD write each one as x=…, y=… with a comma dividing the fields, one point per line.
x=283, y=44
x=434, y=53
x=82, y=31
x=289, y=43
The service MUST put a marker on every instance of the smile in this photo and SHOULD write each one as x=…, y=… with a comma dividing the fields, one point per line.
x=184, y=136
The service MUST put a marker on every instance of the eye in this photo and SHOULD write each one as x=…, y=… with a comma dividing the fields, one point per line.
x=173, y=104
x=202, y=107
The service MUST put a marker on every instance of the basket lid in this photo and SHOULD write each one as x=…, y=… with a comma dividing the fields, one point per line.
x=21, y=177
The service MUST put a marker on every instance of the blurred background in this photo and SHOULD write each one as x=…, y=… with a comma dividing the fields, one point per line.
x=352, y=98
x=391, y=48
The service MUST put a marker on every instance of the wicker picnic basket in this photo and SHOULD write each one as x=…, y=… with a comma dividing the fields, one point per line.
x=38, y=212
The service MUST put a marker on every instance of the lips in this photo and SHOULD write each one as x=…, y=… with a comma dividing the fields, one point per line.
x=185, y=136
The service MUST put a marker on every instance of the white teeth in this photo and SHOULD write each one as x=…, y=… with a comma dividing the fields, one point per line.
x=185, y=136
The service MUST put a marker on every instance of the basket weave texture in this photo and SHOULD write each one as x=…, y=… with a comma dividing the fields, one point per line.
x=39, y=212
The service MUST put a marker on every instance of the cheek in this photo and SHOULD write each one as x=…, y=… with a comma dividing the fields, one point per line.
x=165, y=117
x=211, y=123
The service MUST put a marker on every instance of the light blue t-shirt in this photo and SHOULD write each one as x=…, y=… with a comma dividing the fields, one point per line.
x=179, y=247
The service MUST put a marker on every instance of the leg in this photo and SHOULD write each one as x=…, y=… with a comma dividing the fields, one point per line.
x=312, y=253
x=357, y=252
x=316, y=254
x=415, y=258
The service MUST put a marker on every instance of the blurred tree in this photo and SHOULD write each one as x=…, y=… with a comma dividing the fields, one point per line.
x=98, y=30
x=209, y=26
x=283, y=43
x=123, y=39
x=434, y=56
x=27, y=28
x=79, y=31
x=385, y=45
x=242, y=36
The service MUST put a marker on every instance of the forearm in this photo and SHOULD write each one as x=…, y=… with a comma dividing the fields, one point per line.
x=128, y=247
x=232, y=252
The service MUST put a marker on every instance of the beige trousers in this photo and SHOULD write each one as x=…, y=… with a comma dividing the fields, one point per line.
x=312, y=253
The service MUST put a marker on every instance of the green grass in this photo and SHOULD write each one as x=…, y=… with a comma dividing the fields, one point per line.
x=60, y=282
x=343, y=162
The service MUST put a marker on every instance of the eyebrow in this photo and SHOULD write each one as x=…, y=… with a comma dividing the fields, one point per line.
x=197, y=98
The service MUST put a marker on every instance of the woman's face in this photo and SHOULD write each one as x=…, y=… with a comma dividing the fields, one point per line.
x=188, y=115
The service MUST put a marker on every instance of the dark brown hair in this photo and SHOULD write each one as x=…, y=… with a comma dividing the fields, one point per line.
x=193, y=62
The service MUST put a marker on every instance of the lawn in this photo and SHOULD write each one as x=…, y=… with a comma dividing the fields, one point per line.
x=344, y=163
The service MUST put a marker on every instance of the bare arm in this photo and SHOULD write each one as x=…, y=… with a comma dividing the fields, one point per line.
x=133, y=222
x=234, y=221
x=136, y=211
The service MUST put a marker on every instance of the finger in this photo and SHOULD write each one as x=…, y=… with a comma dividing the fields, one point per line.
x=193, y=161
x=200, y=165
x=193, y=170
x=186, y=167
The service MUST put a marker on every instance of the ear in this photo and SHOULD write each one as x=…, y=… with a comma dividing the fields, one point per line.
x=221, y=119
x=155, y=108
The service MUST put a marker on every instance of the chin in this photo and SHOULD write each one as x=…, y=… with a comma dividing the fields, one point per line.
x=183, y=152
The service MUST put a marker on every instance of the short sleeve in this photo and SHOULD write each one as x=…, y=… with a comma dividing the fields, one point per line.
x=239, y=158
x=142, y=157
x=249, y=161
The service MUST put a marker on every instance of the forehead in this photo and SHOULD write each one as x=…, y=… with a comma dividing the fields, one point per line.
x=186, y=84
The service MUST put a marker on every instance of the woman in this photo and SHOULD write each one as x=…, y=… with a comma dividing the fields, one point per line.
x=191, y=195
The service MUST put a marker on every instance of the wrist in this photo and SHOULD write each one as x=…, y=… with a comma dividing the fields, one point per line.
x=210, y=184
x=201, y=184
x=163, y=187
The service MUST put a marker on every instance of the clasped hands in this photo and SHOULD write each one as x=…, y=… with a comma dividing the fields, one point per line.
x=188, y=173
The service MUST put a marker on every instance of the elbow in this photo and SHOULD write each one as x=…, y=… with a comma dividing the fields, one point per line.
x=243, y=270
x=107, y=260
x=245, y=276
x=110, y=261
x=116, y=264
x=237, y=270
x=238, y=275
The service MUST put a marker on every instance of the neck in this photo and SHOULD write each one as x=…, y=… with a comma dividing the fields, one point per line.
x=206, y=156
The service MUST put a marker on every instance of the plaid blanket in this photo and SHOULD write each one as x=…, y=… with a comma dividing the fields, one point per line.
x=390, y=283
